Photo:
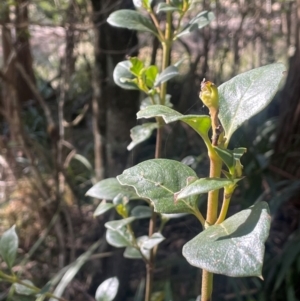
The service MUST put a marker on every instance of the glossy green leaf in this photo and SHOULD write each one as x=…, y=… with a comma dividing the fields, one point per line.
x=141, y=212
x=202, y=186
x=151, y=73
x=166, y=75
x=148, y=101
x=9, y=245
x=198, y=22
x=235, y=247
x=24, y=290
x=200, y=123
x=140, y=133
x=158, y=180
x=119, y=238
x=107, y=290
x=103, y=207
x=164, y=7
x=247, y=94
x=123, y=76
x=131, y=19
x=109, y=188
x=118, y=224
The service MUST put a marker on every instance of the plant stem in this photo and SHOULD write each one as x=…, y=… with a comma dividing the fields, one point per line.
x=228, y=191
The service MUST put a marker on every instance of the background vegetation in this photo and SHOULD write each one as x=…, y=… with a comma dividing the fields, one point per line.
x=65, y=125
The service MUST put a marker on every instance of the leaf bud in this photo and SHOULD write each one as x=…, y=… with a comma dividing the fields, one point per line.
x=209, y=95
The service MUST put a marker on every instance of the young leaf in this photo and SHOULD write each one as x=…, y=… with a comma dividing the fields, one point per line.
x=158, y=180
x=151, y=74
x=119, y=238
x=131, y=19
x=166, y=75
x=141, y=212
x=201, y=20
x=141, y=133
x=200, y=123
x=123, y=77
x=247, y=94
x=235, y=247
x=109, y=188
x=9, y=245
x=107, y=290
x=152, y=241
x=118, y=224
x=103, y=207
x=202, y=186
x=136, y=66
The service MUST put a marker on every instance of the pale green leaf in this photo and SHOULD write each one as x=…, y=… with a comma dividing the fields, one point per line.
x=153, y=241
x=141, y=212
x=9, y=245
x=247, y=94
x=166, y=75
x=202, y=186
x=140, y=133
x=123, y=77
x=119, y=238
x=103, y=207
x=164, y=7
x=110, y=188
x=118, y=224
x=235, y=247
x=158, y=180
x=24, y=290
x=107, y=290
x=148, y=101
x=132, y=253
x=131, y=19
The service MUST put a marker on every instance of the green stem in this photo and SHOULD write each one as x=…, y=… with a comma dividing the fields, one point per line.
x=228, y=191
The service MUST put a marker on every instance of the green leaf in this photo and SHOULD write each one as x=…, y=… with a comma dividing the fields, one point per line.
x=142, y=3
x=9, y=245
x=132, y=253
x=166, y=75
x=198, y=22
x=24, y=290
x=141, y=133
x=123, y=76
x=202, y=186
x=164, y=7
x=235, y=247
x=109, y=188
x=141, y=212
x=200, y=123
x=118, y=224
x=247, y=94
x=153, y=241
x=131, y=19
x=103, y=207
x=107, y=290
x=148, y=101
x=151, y=74
x=158, y=180
x=119, y=238
x=136, y=66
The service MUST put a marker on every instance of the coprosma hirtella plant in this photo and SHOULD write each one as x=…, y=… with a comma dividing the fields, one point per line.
x=231, y=246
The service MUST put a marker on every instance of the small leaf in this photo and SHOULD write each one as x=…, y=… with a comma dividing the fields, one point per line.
x=148, y=102
x=136, y=66
x=131, y=19
x=158, y=180
x=103, y=207
x=200, y=123
x=235, y=247
x=109, y=188
x=153, y=241
x=9, y=245
x=141, y=212
x=247, y=94
x=119, y=238
x=164, y=7
x=118, y=224
x=132, y=253
x=198, y=22
x=107, y=290
x=121, y=72
x=166, y=75
x=202, y=186
x=141, y=133
x=151, y=74
x=24, y=290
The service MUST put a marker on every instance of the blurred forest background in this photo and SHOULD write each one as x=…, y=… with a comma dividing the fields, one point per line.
x=64, y=125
